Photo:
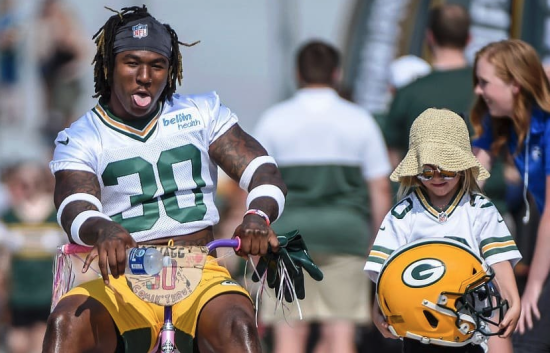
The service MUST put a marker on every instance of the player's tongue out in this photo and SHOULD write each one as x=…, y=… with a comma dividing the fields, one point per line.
x=141, y=101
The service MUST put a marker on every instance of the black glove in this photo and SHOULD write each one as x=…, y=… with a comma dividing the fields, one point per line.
x=294, y=257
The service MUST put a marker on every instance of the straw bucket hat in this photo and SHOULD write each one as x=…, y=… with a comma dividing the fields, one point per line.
x=439, y=137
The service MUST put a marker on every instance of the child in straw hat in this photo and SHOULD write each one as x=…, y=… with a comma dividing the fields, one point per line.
x=439, y=197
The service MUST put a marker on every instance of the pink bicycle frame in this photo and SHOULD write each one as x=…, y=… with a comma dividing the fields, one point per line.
x=167, y=339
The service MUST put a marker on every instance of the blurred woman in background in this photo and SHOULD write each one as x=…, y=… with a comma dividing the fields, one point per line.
x=512, y=111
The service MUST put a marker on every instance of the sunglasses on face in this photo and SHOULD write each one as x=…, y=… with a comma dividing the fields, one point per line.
x=428, y=174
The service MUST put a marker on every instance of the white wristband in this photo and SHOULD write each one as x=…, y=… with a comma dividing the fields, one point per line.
x=250, y=169
x=78, y=197
x=267, y=190
x=80, y=219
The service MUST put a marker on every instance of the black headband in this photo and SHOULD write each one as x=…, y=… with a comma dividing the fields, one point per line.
x=143, y=34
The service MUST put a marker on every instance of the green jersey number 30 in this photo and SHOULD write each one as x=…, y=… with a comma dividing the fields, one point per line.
x=146, y=173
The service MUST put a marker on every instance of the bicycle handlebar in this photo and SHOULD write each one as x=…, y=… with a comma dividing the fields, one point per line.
x=234, y=243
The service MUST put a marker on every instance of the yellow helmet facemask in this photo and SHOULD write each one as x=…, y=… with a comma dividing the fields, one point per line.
x=438, y=291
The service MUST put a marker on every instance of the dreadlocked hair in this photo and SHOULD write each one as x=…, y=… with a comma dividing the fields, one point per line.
x=104, y=58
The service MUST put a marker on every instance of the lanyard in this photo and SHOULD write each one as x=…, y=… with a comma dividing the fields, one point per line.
x=527, y=216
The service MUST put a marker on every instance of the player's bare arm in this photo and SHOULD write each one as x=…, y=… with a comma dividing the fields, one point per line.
x=68, y=182
x=109, y=239
x=233, y=151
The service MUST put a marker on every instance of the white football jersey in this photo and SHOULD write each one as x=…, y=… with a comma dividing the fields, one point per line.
x=471, y=219
x=157, y=180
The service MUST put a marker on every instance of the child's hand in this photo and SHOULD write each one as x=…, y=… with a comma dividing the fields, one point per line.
x=380, y=322
x=506, y=284
x=508, y=324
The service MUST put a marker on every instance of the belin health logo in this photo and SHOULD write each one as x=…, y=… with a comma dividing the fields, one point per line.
x=182, y=121
x=423, y=273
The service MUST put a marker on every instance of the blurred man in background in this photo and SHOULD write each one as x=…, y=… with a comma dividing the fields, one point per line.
x=447, y=36
x=334, y=161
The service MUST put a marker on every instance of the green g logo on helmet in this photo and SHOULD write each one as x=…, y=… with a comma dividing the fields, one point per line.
x=423, y=273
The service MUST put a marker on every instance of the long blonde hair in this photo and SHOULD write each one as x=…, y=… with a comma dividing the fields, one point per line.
x=514, y=61
x=467, y=181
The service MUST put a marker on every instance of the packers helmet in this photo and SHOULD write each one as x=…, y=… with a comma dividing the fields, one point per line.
x=438, y=291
